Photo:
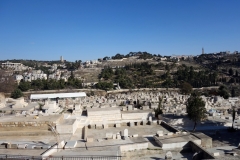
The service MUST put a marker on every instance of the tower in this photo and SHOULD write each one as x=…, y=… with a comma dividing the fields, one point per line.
x=202, y=50
x=61, y=58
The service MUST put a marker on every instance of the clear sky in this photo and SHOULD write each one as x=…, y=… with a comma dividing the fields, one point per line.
x=91, y=29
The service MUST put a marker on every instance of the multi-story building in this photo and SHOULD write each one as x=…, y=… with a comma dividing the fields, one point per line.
x=14, y=66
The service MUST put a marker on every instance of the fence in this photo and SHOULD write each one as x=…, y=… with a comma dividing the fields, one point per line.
x=21, y=157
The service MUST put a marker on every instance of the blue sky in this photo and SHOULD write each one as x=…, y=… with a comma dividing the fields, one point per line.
x=91, y=29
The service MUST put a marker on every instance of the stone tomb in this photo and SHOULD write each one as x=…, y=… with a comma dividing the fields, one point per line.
x=172, y=141
x=97, y=115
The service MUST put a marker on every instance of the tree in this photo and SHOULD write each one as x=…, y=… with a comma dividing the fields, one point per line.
x=196, y=109
x=233, y=116
x=223, y=92
x=233, y=93
x=104, y=85
x=106, y=58
x=159, y=109
x=24, y=86
x=17, y=93
x=185, y=88
x=236, y=73
x=230, y=71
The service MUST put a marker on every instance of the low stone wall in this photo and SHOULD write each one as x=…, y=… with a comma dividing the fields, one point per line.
x=25, y=124
x=129, y=155
x=168, y=127
x=134, y=146
x=143, y=89
x=136, y=115
x=96, y=91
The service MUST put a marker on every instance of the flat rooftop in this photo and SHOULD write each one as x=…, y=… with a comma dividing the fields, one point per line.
x=58, y=95
x=67, y=122
x=142, y=131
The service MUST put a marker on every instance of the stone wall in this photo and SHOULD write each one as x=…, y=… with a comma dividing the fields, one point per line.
x=168, y=127
x=202, y=153
x=5, y=126
x=134, y=146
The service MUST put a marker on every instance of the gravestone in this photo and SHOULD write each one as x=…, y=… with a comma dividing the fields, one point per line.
x=125, y=132
x=168, y=155
x=117, y=125
x=105, y=125
x=118, y=136
x=143, y=122
x=150, y=118
x=160, y=133
x=131, y=124
x=130, y=107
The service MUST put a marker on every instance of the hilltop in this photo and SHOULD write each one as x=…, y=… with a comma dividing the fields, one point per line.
x=131, y=71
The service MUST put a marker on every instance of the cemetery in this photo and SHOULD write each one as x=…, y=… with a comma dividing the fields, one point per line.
x=118, y=124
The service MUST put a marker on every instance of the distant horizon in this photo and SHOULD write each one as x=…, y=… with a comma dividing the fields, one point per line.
x=87, y=30
x=111, y=57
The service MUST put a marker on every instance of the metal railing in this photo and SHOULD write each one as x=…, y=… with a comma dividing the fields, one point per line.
x=85, y=158
x=22, y=157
